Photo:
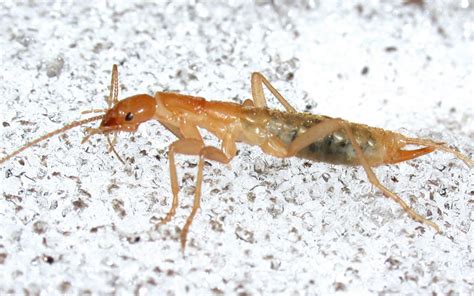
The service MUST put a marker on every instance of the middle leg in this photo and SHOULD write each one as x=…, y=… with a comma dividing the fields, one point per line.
x=207, y=152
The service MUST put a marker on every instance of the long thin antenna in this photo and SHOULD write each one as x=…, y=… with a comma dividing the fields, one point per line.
x=50, y=134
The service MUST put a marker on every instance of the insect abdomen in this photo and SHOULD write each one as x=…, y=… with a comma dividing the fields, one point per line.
x=335, y=148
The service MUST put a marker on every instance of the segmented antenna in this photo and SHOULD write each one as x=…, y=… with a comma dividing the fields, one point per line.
x=50, y=134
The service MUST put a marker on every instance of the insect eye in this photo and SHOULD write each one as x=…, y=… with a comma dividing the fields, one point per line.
x=129, y=116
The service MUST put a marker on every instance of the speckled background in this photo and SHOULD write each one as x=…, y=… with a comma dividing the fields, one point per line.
x=75, y=220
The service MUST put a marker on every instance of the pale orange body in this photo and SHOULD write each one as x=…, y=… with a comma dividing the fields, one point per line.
x=252, y=125
x=278, y=133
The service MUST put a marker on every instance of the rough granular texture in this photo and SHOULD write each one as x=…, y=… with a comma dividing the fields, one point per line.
x=75, y=220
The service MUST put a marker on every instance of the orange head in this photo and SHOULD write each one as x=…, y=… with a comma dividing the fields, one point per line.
x=128, y=114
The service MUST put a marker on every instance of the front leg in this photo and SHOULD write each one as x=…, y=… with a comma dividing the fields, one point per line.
x=194, y=147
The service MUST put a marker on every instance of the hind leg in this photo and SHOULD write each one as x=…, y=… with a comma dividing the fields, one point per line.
x=258, y=80
x=375, y=181
x=325, y=128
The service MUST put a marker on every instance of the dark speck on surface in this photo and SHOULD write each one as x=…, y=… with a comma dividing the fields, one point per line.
x=391, y=48
x=79, y=204
x=365, y=70
x=48, y=259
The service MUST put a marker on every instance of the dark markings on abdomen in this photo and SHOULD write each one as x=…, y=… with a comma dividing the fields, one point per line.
x=335, y=148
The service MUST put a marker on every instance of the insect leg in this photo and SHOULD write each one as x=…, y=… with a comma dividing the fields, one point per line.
x=178, y=146
x=173, y=130
x=207, y=152
x=190, y=142
x=375, y=181
x=191, y=147
x=276, y=147
x=258, y=80
x=313, y=134
x=326, y=127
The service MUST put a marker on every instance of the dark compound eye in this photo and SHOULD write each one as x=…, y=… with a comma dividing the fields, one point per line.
x=129, y=116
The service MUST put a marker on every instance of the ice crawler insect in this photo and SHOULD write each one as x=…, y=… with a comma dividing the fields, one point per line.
x=279, y=133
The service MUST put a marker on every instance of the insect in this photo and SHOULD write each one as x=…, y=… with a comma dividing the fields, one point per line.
x=279, y=133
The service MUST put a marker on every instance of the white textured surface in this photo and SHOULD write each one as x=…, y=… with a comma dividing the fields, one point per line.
x=75, y=220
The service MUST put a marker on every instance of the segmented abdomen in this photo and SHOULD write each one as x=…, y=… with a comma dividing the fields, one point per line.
x=334, y=148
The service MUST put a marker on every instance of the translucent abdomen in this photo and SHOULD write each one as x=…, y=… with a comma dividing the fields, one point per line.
x=334, y=148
